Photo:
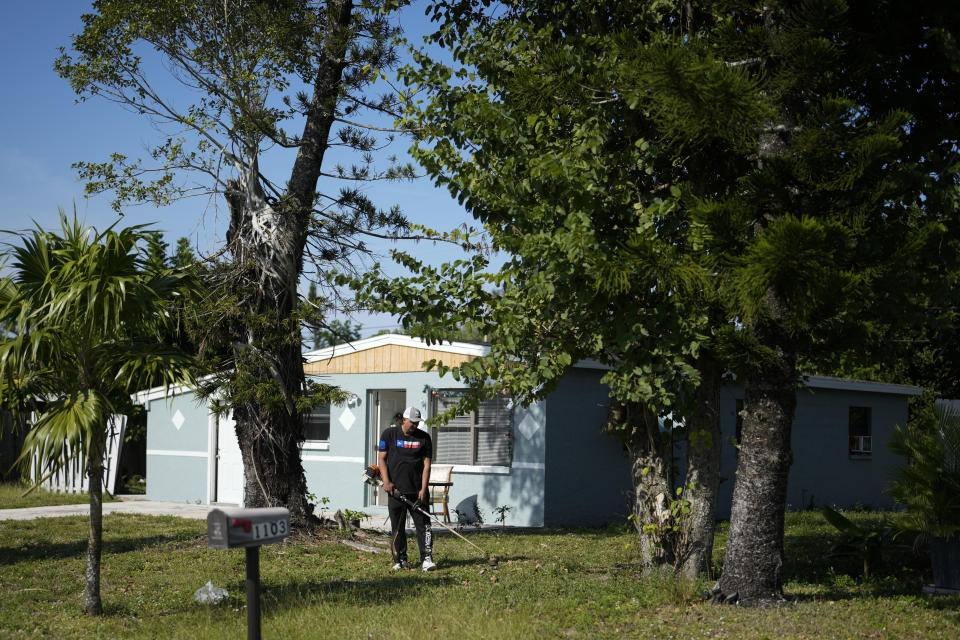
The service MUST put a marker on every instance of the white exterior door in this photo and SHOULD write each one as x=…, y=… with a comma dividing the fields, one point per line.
x=384, y=405
x=229, y=462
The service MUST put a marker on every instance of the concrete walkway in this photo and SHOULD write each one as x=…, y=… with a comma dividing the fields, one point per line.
x=124, y=504
x=140, y=505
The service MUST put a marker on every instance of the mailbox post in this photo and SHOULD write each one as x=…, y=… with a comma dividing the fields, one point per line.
x=248, y=529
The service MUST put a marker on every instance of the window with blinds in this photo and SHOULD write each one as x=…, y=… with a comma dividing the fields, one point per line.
x=316, y=425
x=481, y=437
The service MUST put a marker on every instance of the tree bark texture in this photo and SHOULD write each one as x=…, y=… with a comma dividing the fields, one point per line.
x=704, y=443
x=650, y=474
x=753, y=568
x=267, y=241
x=91, y=591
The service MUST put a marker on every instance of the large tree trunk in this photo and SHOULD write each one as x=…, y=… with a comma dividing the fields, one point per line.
x=753, y=568
x=267, y=242
x=269, y=429
x=703, y=469
x=91, y=590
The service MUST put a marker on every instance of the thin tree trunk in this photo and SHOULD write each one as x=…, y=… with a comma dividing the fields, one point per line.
x=91, y=591
x=267, y=241
x=650, y=474
x=753, y=568
x=703, y=469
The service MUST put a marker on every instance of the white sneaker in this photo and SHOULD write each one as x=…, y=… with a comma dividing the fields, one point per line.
x=429, y=564
x=400, y=565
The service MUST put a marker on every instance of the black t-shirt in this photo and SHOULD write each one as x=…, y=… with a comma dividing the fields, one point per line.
x=405, y=454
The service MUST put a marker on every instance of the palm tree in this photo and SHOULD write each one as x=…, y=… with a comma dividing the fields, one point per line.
x=81, y=315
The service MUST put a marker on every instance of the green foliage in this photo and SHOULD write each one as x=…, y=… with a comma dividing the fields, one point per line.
x=86, y=313
x=928, y=484
x=866, y=540
x=798, y=258
x=563, y=180
x=133, y=484
x=247, y=64
x=502, y=511
x=611, y=152
x=85, y=309
x=293, y=78
x=352, y=515
x=324, y=332
x=669, y=530
x=743, y=181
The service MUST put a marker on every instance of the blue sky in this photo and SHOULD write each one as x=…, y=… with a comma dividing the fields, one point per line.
x=45, y=131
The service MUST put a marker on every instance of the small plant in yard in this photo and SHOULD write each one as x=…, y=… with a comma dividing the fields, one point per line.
x=477, y=515
x=502, y=512
x=867, y=541
x=134, y=484
x=464, y=518
x=352, y=515
x=928, y=485
x=461, y=519
x=324, y=501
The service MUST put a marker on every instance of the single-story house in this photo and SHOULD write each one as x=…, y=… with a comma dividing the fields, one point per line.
x=548, y=462
x=501, y=454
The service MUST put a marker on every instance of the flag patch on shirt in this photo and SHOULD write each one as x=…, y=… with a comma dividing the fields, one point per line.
x=408, y=444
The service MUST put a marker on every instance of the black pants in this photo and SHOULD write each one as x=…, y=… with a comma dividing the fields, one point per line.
x=398, y=520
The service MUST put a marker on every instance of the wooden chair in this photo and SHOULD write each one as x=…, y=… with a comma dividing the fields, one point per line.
x=440, y=494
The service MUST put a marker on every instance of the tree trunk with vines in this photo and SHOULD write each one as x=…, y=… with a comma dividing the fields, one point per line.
x=267, y=240
x=650, y=475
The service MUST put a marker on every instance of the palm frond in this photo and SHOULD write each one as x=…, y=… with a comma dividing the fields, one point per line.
x=75, y=421
x=81, y=315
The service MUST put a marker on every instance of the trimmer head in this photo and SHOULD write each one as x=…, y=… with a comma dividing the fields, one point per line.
x=371, y=476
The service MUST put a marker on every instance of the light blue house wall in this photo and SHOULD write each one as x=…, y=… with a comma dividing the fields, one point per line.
x=823, y=471
x=587, y=471
x=335, y=473
x=178, y=449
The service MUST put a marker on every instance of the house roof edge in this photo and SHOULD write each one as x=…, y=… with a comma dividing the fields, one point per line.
x=850, y=384
x=396, y=339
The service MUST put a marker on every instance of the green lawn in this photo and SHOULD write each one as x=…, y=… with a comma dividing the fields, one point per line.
x=10, y=497
x=549, y=584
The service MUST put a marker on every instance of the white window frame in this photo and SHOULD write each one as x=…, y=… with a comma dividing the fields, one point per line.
x=319, y=445
x=475, y=430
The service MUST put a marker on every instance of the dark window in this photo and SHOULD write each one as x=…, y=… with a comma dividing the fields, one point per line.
x=860, y=431
x=316, y=424
x=481, y=437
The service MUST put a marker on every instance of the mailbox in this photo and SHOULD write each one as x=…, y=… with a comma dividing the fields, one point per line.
x=239, y=528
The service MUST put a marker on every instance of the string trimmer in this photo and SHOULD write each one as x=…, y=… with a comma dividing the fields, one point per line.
x=371, y=476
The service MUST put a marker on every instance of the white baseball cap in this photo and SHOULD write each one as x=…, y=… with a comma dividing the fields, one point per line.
x=412, y=414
